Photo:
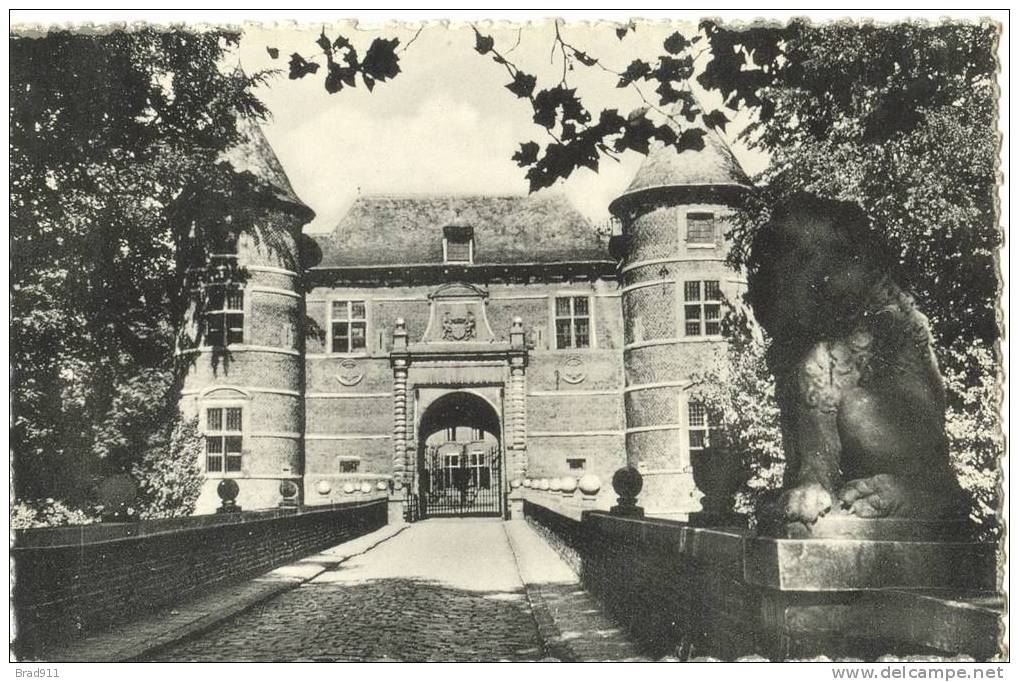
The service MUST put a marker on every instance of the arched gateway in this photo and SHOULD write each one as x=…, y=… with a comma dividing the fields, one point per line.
x=459, y=464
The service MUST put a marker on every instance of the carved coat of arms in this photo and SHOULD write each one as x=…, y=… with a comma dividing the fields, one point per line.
x=457, y=328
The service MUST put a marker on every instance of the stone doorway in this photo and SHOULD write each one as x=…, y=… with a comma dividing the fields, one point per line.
x=459, y=463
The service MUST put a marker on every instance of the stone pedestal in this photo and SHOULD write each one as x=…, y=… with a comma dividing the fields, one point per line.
x=397, y=506
x=515, y=508
x=710, y=519
x=857, y=587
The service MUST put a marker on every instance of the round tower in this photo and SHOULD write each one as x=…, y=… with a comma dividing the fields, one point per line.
x=245, y=374
x=673, y=278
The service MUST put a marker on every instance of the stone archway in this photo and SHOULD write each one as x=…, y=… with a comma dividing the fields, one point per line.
x=460, y=457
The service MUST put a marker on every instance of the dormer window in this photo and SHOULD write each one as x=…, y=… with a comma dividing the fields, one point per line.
x=458, y=244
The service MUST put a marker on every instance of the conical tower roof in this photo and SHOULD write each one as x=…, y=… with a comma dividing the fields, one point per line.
x=710, y=173
x=252, y=153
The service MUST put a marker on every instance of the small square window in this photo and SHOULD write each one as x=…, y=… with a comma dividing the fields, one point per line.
x=458, y=244
x=700, y=228
x=458, y=251
x=349, y=466
x=577, y=464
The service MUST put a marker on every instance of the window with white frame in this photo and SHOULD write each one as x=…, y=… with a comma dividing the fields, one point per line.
x=458, y=244
x=349, y=327
x=572, y=322
x=700, y=228
x=702, y=308
x=480, y=475
x=698, y=425
x=224, y=315
x=450, y=470
x=224, y=439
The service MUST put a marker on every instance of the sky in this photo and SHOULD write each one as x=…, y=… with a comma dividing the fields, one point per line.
x=446, y=124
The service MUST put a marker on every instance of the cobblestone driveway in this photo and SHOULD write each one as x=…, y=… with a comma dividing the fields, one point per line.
x=442, y=590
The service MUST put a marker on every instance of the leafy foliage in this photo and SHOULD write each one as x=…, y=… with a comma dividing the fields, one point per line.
x=900, y=119
x=117, y=185
x=738, y=391
x=45, y=513
x=344, y=64
x=169, y=471
x=973, y=425
x=578, y=139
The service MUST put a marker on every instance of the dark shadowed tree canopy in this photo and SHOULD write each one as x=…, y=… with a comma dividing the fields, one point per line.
x=108, y=132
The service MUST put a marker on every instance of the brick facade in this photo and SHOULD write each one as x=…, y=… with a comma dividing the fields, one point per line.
x=73, y=580
x=660, y=356
x=342, y=415
x=690, y=592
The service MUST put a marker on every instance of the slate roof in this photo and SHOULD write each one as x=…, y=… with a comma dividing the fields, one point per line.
x=664, y=169
x=254, y=154
x=408, y=230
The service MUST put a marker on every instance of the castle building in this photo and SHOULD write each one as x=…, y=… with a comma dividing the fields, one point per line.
x=447, y=349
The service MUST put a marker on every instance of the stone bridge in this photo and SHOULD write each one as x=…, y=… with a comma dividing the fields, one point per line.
x=565, y=582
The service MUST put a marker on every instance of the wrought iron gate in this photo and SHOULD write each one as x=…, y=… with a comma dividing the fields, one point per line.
x=461, y=480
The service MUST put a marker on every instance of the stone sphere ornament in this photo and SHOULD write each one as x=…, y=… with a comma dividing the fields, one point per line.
x=555, y=485
x=288, y=489
x=528, y=483
x=589, y=485
x=288, y=494
x=323, y=487
x=543, y=484
x=366, y=487
x=568, y=485
x=348, y=488
x=515, y=483
x=228, y=491
x=627, y=482
x=382, y=485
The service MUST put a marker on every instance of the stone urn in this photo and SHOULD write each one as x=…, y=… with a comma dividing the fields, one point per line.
x=718, y=474
x=288, y=493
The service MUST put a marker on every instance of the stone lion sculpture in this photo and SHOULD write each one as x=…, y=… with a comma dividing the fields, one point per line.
x=861, y=398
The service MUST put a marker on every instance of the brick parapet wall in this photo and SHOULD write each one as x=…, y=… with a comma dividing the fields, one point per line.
x=688, y=592
x=70, y=581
